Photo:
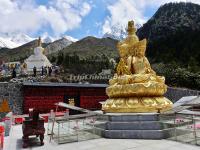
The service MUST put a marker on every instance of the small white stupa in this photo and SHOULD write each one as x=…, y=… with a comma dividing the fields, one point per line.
x=38, y=59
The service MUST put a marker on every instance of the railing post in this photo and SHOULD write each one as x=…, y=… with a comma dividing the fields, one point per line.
x=54, y=119
x=194, y=130
x=175, y=131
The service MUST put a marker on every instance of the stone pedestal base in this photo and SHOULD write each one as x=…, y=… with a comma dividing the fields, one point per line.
x=135, y=126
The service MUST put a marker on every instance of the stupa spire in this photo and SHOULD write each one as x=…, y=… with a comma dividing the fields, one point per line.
x=39, y=42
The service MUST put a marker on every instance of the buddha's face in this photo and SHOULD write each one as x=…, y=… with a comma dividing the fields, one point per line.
x=132, y=39
x=122, y=50
x=140, y=54
x=121, y=53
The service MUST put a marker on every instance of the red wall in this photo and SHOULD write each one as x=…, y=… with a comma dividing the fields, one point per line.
x=44, y=98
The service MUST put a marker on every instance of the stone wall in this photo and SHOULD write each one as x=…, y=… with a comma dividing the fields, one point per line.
x=175, y=94
x=13, y=94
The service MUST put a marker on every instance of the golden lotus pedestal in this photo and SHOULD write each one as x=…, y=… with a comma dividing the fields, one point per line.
x=136, y=105
x=136, y=97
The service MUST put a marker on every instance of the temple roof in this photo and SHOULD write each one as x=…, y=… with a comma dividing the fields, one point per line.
x=50, y=84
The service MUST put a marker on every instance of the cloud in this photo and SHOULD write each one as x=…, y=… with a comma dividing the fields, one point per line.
x=121, y=11
x=86, y=9
x=28, y=17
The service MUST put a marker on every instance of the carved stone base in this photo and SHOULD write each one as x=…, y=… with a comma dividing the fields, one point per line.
x=137, y=104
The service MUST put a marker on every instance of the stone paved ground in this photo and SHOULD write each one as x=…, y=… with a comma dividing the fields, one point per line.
x=14, y=142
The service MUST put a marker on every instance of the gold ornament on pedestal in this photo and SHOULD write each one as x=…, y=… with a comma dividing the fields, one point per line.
x=135, y=87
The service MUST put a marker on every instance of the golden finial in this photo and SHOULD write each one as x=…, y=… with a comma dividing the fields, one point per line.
x=131, y=28
x=39, y=42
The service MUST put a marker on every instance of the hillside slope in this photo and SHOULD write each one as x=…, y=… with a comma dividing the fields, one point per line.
x=173, y=34
x=57, y=45
x=92, y=46
x=19, y=53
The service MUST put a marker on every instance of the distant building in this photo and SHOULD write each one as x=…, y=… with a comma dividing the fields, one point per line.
x=38, y=59
x=105, y=72
x=11, y=64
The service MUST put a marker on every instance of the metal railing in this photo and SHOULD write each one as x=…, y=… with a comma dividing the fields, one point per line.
x=185, y=125
x=72, y=128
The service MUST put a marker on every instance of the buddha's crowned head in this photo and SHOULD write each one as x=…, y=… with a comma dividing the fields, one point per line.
x=131, y=45
x=131, y=29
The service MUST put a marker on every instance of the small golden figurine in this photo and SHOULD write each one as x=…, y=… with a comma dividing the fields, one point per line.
x=135, y=87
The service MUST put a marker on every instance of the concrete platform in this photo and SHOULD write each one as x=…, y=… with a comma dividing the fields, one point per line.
x=14, y=142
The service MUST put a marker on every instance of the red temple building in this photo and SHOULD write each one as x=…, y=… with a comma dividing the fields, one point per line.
x=43, y=96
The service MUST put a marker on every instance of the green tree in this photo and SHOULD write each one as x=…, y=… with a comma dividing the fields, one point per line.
x=193, y=65
x=60, y=58
x=53, y=59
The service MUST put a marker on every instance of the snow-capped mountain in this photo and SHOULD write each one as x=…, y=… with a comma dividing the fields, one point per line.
x=118, y=32
x=21, y=38
x=12, y=40
x=70, y=38
x=48, y=39
x=7, y=43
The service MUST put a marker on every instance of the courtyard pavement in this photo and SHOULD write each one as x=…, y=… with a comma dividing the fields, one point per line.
x=14, y=142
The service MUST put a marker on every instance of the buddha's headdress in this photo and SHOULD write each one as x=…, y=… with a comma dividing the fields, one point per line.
x=131, y=46
x=139, y=48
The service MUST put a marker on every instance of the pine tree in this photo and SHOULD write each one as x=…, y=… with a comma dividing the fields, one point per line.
x=60, y=58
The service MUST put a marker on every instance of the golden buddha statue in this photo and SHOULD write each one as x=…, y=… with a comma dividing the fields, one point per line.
x=135, y=87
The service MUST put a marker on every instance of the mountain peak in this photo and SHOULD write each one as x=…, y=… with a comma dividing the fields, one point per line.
x=169, y=19
x=21, y=38
x=12, y=40
x=118, y=32
x=70, y=38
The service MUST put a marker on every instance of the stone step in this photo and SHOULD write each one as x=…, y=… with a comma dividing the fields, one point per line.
x=133, y=117
x=136, y=125
x=138, y=134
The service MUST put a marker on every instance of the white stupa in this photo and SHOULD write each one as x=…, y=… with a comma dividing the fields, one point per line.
x=38, y=59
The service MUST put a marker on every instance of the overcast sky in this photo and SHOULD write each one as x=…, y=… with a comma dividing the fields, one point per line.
x=76, y=18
